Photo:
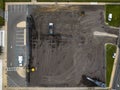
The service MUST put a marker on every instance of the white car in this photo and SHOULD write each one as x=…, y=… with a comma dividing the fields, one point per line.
x=110, y=17
x=20, y=60
x=51, y=28
x=114, y=55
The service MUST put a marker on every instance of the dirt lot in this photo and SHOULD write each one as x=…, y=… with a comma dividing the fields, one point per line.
x=74, y=51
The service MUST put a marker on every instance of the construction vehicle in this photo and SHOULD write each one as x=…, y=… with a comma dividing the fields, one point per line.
x=98, y=83
x=32, y=69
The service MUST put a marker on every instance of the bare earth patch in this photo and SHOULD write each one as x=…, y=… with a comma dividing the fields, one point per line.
x=74, y=50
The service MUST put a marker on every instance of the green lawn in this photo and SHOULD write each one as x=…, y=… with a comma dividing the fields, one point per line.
x=110, y=49
x=1, y=4
x=115, y=10
x=1, y=21
x=79, y=0
x=17, y=0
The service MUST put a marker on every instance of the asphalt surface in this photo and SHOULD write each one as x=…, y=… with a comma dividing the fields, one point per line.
x=16, y=14
x=15, y=44
x=78, y=51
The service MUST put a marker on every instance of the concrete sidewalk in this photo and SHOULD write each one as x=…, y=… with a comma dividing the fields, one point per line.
x=61, y=3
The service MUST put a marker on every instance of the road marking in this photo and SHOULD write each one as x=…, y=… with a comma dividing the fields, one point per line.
x=12, y=68
x=24, y=36
x=12, y=80
x=23, y=9
x=10, y=8
x=17, y=8
x=19, y=31
x=19, y=45
x=14, y=6
x=20, y=37
x=19, y=42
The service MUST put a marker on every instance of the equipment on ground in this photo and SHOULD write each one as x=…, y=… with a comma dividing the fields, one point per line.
x=98, y=83
x=33, y=69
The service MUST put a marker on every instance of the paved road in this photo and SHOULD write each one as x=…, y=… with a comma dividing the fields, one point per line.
x=116, y=82
x=16, y=47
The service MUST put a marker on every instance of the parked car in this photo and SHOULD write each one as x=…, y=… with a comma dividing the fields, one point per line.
x=20, y=60
x=110, y=17
x=51, y=32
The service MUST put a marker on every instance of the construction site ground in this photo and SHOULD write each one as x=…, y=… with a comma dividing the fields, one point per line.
x=61, y=60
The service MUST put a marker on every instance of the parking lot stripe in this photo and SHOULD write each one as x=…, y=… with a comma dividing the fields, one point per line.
x=19, y=30
x=19, y=45
x=11, y=68
x=11, y=9
x=20, y=41
x=24, y=36
x=14, y=8
x=20, y=36
x=20, y=33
